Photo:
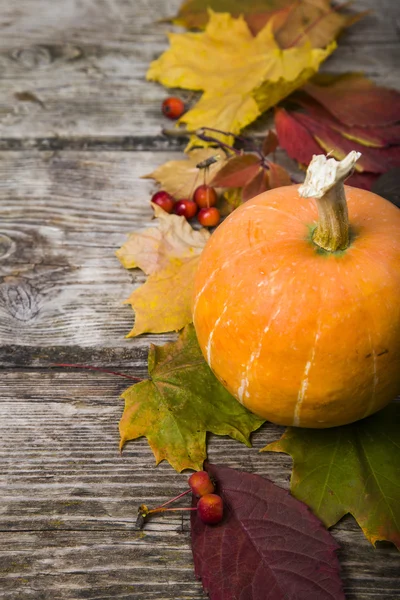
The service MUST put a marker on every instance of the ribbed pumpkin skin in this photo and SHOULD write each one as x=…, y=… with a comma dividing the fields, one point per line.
x=299, y=336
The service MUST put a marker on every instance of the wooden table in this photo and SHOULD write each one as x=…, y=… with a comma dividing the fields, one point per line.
x=79, y=126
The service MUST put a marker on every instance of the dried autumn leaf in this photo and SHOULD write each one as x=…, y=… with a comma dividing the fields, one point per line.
x=377, y=136
x=294, y=138
x=267, y=547
x=237, y=171
x=256, y=185
x=180, y=177
x=373, y=160
x=355, y=100
x=315, y=20
x=350, y=469
x=270, y=143
x=278, y=176
x=154, y=248
x=169, y=253
x=241, y=75
x=180, y=402
x=195, y=13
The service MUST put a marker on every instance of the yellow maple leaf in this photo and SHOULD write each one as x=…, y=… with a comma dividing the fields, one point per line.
x=169, y=253
x=241, y=75
x=180, y=177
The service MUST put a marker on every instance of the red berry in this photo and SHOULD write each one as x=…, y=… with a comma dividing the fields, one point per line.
x=173, y=108
x=201, y=483
x=164, y=200
x=210, y=509
x=185, y=208
x=209, y=217
x=205, y=196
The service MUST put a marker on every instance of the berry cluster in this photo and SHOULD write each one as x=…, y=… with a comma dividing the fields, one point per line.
x=202, y=204
x=209, y=508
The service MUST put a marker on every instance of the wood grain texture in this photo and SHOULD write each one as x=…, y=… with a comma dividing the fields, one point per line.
x=85, y=64
x=69, y=500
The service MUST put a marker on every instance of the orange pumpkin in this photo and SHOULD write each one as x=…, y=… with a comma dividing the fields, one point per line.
x=297, y=307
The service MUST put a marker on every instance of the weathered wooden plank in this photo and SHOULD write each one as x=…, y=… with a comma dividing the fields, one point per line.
x=81, y=23
x=67, y=493
x=86, y=63
x=62, y=216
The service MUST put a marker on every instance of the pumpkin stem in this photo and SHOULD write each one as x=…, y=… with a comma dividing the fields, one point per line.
x=325, y=182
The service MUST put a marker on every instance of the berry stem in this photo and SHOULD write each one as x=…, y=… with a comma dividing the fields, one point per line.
x=173, y=499
x=89, y=367
x=158, y=510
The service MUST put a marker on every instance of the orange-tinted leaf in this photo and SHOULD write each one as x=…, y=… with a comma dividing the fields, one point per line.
x=278, y=176
x=315, y=21
x=355, y=100
x=256, y=21
x=270, y=143
x=195, y=13
x=294, y=138
x=237, y=171
x=367, y=136
x=256, y=186
x=374, y=160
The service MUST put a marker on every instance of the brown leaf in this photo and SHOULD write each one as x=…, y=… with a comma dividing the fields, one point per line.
x=256, y=186
x=355, y=100
x=237, y=171
x=169, y=253
x=295, y=138
x=194, y=14
x=152, y=249
x=180, y=177
x=315, y=21
x=270, y=143
x=278, y=176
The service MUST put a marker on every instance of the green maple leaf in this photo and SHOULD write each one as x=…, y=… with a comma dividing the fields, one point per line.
x=351, y=469
x=180, y=402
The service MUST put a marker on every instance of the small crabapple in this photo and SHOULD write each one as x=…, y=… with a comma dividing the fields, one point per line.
x=164, y=200
x=201, y=483
x=210, y=509
x=209, y=217
x=185, y=208
x=205, y=196
x=173, y=108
